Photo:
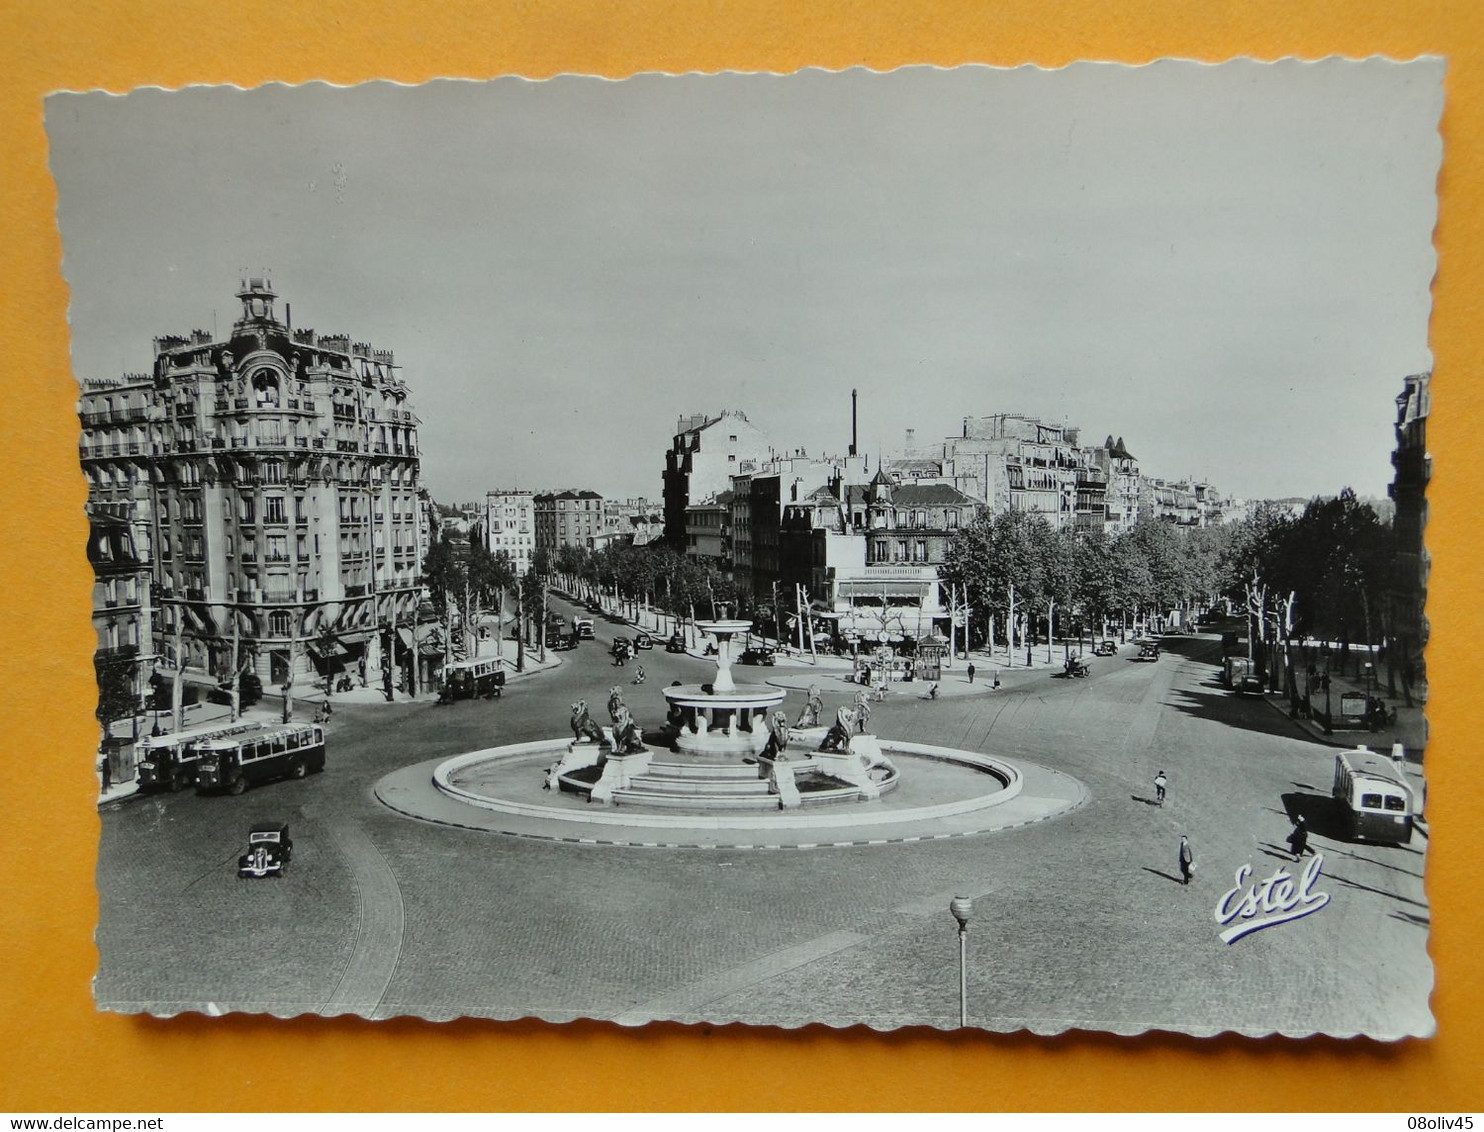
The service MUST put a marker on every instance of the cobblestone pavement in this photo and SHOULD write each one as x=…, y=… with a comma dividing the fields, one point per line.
x=1078, y=922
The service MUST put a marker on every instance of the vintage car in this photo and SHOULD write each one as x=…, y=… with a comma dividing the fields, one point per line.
x=759, y=655
x=269, y=849
x=675, y=644
x=1077, y=666
x=1105, y=648
x=582, y=627
x=643, y=641
x=1148, y=652
x=1248, y=684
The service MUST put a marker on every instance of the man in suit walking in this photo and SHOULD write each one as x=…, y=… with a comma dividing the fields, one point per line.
x=1187, y=859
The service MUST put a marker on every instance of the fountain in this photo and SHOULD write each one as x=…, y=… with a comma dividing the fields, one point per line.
x=722, y=717
x=736, y=775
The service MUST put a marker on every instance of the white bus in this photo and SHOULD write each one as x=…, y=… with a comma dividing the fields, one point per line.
x=288, y=751
x=168, y=762
x=1376, y=800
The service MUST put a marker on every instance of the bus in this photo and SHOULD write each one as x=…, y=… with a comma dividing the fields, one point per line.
x=291, y=750
x=168, y=762
x=467, y=679
x=1376, y=801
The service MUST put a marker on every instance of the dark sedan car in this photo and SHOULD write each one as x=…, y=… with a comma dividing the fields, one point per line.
x=643, y=641
x=1148, y=653
x=758, y=656
x=675, y=644
x=269, y=849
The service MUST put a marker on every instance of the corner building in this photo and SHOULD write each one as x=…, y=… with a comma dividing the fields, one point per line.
x=279, y=468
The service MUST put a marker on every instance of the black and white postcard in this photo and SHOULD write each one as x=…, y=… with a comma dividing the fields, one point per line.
x=931, y=548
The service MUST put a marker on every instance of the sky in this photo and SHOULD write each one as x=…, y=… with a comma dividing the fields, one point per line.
x=1228, y=266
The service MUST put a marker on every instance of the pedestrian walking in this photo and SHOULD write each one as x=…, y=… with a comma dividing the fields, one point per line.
x=971, y=672
x=106, y=770
x=639, y=675
x=1298, y=840
x=1160, y=782
x=1187, y=859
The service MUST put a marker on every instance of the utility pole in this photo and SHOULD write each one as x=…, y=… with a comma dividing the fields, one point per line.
x=1050, y=615
x=1010, y=631
x=233, y=674
x=177, y=692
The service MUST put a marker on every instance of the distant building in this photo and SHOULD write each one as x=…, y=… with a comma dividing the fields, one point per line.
x=758, y=500
x=1412, y=466
x=705, y=453
x=276, y=473
x=510, y=527
x=569, y=518
x=1121, y=492
x=869, y=554
x=708, y=532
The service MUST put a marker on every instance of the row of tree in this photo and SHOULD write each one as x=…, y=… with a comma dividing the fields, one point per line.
x=1320, y=574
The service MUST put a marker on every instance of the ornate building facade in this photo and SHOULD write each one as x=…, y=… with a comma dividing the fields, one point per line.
x=277, y=472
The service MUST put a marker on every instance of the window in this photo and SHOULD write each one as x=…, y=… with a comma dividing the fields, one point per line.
x=881, y=550
x=299, y=513
x=278, y=623
x=920, y=553
x=952, y=518
x=902, y=550
x=272, y=469
x=249, y=510
x=273, y=509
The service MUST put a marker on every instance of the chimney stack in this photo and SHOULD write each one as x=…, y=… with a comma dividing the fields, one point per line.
x=853, y=433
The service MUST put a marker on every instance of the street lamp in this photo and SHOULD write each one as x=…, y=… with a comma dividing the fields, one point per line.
x=962, y=908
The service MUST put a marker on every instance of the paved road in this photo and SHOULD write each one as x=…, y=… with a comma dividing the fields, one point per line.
x=1078, y=921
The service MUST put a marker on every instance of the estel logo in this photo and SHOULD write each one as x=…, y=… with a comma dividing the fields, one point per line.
x=1276, y=900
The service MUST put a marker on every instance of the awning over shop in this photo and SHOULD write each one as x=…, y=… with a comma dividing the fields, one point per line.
x=335, y=651
x=359, y=637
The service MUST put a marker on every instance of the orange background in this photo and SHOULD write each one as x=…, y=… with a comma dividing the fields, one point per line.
x=59, y=1055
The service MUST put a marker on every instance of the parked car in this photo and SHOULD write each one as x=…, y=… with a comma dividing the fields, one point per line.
x=269, y=850
x=675, y=644
x=1148, y=653
x=759, y=655
x=1105, y=648
x=643, y=641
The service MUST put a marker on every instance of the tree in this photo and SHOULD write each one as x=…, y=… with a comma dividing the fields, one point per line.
x=118, y=694
x=1000, y=562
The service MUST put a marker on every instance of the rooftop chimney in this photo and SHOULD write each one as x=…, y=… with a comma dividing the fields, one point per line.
x=853, y=433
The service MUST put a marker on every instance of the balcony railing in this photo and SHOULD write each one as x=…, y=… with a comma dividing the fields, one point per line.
x=358, y=590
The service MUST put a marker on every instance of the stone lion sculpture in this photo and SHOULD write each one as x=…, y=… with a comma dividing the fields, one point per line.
x=813, y=708
x=777, y=743
x=837, y=738
x=583, y=727
x=628, y=739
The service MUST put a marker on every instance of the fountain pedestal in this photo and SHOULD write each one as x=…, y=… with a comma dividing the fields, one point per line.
x=723, y=717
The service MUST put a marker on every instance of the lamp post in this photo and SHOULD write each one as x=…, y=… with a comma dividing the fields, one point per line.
x=962, y=908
